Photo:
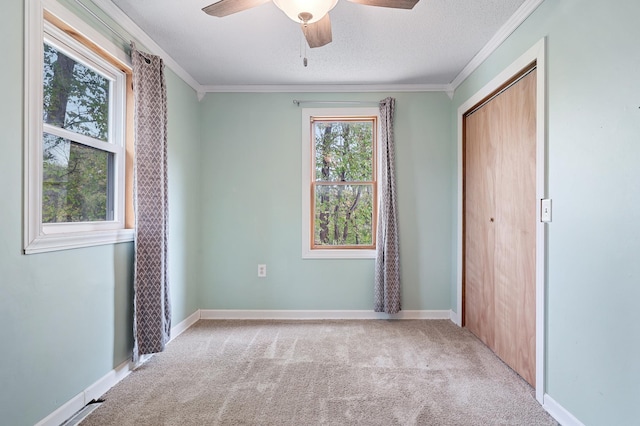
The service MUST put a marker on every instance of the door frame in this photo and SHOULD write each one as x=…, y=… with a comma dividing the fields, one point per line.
x=535, y=54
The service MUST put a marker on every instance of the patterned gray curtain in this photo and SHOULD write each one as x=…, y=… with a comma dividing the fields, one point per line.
x=387, y=279
x=152, y=311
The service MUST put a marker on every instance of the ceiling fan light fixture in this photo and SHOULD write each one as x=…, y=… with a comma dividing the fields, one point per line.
x=296, y=10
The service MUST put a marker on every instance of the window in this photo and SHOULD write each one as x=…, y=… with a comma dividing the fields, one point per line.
x=339, y=182
x=75, y=146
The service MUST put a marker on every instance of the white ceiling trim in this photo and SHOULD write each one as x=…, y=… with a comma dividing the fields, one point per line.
x=136, y=32
x=523, y=12
x=320, y=88
x=505, y=31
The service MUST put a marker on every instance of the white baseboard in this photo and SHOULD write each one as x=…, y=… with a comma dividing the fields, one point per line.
x=99, y=388
x=320, y=314
x=65, y=412
x=178, y=329
x=94, y=391
x=558, y=412
x=455, y=318
x=105, y=383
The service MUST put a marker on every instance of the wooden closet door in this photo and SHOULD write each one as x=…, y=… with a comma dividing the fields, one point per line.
x=479, y=214
x=500, y=223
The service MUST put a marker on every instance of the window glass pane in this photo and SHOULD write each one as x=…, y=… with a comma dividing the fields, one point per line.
x=343, y=151
x=75, y=97
x=343, y=215
x=75, y=182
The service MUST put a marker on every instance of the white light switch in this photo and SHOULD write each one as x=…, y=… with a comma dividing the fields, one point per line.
x=545, y=210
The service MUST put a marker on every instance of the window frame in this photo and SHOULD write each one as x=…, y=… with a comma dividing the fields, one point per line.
x=309, y=115
x=49, y=22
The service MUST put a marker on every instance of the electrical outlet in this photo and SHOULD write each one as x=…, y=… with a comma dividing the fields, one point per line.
x=262, y=270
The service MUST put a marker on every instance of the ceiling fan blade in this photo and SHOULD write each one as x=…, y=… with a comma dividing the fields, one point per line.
x=395, y=4
x=319, y=33
x=228, y=7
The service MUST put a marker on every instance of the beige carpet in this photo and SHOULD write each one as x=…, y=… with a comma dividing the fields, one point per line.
x=322, y=372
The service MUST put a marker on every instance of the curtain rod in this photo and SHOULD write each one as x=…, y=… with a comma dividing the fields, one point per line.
x=298, y=102
x=107, y=26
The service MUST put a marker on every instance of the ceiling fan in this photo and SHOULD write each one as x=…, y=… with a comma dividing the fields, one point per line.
x=312, y=15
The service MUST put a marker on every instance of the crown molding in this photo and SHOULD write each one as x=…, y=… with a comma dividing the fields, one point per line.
x=326, y=88
x=523, y=12
x=115, y=13
x=505, y=31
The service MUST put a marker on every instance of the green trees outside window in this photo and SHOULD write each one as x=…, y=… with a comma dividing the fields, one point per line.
x=344, y=183
x=76, y=176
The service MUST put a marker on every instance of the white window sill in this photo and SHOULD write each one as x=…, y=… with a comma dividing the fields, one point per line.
x=338, y=254
x=46, y=243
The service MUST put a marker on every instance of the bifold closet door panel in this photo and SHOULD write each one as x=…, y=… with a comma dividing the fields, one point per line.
x=500, y=224
x=479, y=207
x=514, y=285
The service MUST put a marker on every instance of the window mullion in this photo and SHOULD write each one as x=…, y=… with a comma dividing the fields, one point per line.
x=81, y=139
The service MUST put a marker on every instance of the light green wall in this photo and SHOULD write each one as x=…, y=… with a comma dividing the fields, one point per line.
x=235, y=202
x=251, y=207
x=593, y=71
x=67, y=315
x=183, y=136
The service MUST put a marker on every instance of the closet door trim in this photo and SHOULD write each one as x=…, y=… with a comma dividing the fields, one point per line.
x=536, y=54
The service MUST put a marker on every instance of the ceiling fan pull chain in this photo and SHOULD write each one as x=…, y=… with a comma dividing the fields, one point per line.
x=304, y=41
x=304, y=61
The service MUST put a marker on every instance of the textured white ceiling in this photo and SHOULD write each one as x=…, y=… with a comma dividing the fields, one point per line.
x=430, y=44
